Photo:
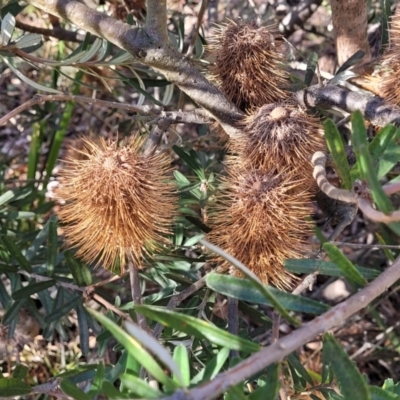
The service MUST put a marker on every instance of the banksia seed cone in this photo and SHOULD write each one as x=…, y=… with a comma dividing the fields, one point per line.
x=248, y=65
x=261, y=219
x=118, y=203
x=388, y=76
x=279, y=137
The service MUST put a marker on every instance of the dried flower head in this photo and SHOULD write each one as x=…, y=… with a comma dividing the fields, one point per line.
x=248, y=64
x=279, y=136
x=118, y=203
x=261, y=219
x=386, y=77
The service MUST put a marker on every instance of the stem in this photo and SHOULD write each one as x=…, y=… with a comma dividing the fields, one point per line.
x=137, y=293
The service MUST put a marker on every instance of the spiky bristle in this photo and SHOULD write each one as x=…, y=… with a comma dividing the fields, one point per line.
x=118, y=203
x=279, y=135
x=386, y=77
x=261, y=219
x=248, y=65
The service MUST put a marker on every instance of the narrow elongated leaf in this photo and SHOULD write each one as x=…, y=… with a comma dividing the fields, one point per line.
x=294, y=362
x=72, y=390
x=83, y=328
x=365, y=163
x=63, y=310
x=25, y=79
x=150, y=343
x=29, y=40
x=135, y=349
x=80, y=272
x=7, y=28
x=181, y=358
x=13, y=387
x=243, y=289
x=20, y=371
x=336, y=148
x=309, y=266
x=16, y=253
x=191, y=160
x=198, y=328
x=52, y=246
x=212, y=368
x=11, y=314
x=271, y=388
x=140, y=387
x=32, y=288
x=352, y=384
x=265, y=290
x=350, y=272
x=6, y=197
x=378, y=393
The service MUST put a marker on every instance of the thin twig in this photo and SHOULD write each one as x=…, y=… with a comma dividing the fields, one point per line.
x=137, y=294
x=284, y=346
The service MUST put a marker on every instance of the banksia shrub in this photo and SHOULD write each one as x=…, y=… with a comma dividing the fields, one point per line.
x=261, y=219
x=119, y=204
x=248, y=65
x=279, y=136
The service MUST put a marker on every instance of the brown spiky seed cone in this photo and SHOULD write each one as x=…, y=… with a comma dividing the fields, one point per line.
x=385, y=78
x=281, y=137
x=261, y=219
x=118, y=203
x=248, y=65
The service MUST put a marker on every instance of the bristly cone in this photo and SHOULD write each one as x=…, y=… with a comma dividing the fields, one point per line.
x=248, y=65
x=389, y=85
x=118, y=203
x=261, y=218
x=281, y=137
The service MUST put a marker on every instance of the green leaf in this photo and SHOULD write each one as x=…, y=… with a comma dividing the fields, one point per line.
x=29, y=41
x=52, y=246
x=269, y=391
x=83, y=329
x=312, y=61
x=16, y=253
x=6, y=197
x=365, y=163
x=32, y=288
x=294, y=362
x=265, y=290
x=212, y=368
x=71, y=390
x=80, y=271
x=193, y=240
x=63, y=310
x=198, y=328
x=30, y=82
x=140, y=387
x=135, y=349
x=378, y=393
x=13, y=387
x=181, y=357
x=7, y=29
x=309, y=266
x=20, y=371
x=191, y=160
x=336, y=148
x=351, y=382
x=243, y=289
x=350, y=272
x=151, y=344
x=11, y=314
x=97, y=381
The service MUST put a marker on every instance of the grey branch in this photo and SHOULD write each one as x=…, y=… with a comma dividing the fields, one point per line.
x=277, y=351
x=149, y=50
x=373, y=108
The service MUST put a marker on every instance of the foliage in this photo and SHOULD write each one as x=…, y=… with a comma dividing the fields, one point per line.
x=70, y=301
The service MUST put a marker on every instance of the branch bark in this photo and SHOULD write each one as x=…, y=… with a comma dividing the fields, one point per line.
x=277, y=351
x=147, y=49
x=373, y=108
